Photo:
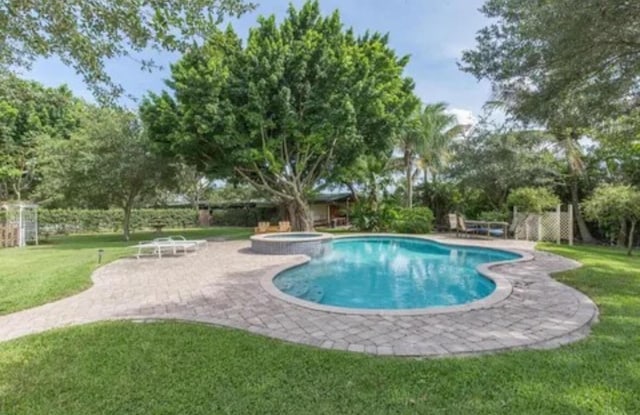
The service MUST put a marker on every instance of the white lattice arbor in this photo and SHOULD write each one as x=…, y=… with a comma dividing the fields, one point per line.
x=20, y=224
x=555, y=226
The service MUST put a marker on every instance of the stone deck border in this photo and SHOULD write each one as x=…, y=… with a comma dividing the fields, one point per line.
x=220, y=285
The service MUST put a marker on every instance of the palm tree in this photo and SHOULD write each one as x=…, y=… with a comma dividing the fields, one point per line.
x=425, y=141
x=410, y=140
x=437, y=130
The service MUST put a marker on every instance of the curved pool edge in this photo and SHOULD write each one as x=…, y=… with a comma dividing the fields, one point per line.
x=291, y=243
x=502, y=291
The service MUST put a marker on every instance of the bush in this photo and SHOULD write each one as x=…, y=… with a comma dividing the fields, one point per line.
x=366, y=218
x=95, y=220
x=246, y=217
x=612, y=206
x=533, y=199
x=494, y=216
x=414, y=220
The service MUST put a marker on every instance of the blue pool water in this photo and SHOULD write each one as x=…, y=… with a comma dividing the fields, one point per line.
x=392, y=273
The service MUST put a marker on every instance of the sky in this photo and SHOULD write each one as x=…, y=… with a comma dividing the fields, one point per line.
x=433, y=32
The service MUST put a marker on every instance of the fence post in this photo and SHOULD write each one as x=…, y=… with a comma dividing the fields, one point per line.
x=515, y=223
x=570, y=211
x=20, y=229
x=539, y=227
x=35, y=221
x=558, y=224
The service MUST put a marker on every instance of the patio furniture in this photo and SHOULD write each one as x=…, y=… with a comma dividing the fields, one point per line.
x=487, y=227
x=284, y=226
x=263, y=227
x=180, y=238
x=455, y=224
x=483, y=227
x=338, y=221
x=158, y=245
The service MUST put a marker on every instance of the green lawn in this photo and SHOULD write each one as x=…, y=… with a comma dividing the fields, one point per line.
x=170, y=368
x=62, y=266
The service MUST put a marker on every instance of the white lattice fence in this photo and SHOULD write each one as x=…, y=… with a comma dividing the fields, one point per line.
x=21, y=224
x=554, y=226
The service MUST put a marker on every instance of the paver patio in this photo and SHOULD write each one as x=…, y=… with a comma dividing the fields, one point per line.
x=221, y=285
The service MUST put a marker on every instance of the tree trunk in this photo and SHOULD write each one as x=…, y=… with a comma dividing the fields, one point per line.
x=622, y=234
x=585, y=235
x=352, y=190
x=126, y=222
x=300, y=215
x=631, y=231
x=409, y=179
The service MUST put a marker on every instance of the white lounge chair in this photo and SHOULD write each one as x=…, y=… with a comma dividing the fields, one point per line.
x=198, y=242
x=158, y=245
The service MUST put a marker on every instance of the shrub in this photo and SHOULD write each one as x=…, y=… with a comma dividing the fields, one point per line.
x=365, y=217
x=614, y=205
x=246, y=217
x=533, y=199
x=494, y=216
x=414, y=220
x=95, y=220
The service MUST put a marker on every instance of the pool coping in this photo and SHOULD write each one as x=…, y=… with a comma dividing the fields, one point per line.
x=502, y=291
x=289, y=237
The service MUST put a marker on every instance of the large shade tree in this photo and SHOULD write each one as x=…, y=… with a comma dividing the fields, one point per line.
x=282, y=112
x=531, y=54
x=497, y=161
x=30, y=114
x=562, y=48
x=109, y=162
x=86, y=34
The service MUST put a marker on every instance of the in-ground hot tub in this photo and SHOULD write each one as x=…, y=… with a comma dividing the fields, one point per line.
x=291, y=243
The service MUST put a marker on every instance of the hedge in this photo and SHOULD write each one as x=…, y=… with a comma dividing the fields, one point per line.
x=95, y=220
x=247, y=217
x=414, y=220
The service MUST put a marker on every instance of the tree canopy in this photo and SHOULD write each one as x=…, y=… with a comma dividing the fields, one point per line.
x=29, y=115
x=85, y=34
x=615, y=206
x=108, y=162
x=560, y=59
x=298, y=100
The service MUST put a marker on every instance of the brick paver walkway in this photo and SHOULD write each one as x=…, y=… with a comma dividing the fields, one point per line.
x=220, y=285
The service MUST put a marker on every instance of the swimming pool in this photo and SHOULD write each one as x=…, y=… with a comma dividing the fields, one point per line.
x=392, y=273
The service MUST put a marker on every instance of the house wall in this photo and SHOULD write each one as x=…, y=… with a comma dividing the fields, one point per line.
x=320, y=212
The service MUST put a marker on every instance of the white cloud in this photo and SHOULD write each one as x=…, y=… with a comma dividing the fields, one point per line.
x=465, y=117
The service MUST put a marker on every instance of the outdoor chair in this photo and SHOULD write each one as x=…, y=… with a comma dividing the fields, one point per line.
x=180, y=238
x=284, y=226
x=456, y=223
x=160, y=245
x=263, y=227
x=480, y=227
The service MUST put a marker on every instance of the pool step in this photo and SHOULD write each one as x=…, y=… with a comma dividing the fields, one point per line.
x=304, y=290
x=314, y=294
x=298, y=289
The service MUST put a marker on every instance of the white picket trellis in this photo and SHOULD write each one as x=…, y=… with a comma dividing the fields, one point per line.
x=21, y=224
x=555, y=226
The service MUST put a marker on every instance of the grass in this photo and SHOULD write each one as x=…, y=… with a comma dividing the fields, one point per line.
x=168, y=368
x=62, y=265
